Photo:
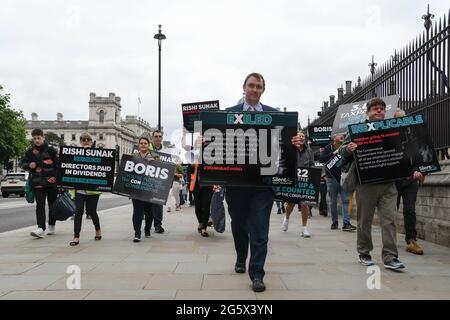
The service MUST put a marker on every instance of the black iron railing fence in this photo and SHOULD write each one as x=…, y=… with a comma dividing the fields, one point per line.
x=419, y=73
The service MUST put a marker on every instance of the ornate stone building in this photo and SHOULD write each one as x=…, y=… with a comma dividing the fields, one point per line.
x=105, y=125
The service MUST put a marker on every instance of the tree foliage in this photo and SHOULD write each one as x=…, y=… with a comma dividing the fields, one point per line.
x=53, y=139
x=13, y=142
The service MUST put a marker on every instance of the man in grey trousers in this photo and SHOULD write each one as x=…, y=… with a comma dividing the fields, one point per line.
x=380, y=196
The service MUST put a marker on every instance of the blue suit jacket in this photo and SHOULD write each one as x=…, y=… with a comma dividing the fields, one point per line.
x=240, y=107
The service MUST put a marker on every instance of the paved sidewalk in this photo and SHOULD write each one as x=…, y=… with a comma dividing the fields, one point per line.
x=181, y=264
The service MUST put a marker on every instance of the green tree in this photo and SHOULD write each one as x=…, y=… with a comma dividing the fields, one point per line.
x=53, y=139
x=13, y=142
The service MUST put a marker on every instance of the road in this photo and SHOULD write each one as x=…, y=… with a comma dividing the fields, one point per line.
x=16, y=213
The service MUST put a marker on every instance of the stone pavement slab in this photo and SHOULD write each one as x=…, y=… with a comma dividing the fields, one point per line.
x=215, y=295
x=132, y=295
x=175, y=282
x=27, y=282
x=46, y=295
x=180, y=264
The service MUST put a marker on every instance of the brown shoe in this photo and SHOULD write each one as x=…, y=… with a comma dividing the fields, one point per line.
x=413, y=247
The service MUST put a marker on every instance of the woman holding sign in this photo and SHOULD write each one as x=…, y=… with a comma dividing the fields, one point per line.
x=142, y=208
x=85, y=198
x=305, y=158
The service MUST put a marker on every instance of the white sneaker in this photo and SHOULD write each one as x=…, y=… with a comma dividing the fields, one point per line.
x=38, y=233
x=285, y=224
x=51, y=230
x=305, y=233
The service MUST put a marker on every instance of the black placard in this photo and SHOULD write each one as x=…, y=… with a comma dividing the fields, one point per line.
x=144, y=180
x=306, y=190
x=355, y=112
x=334, y=167
x=191, y=112
x=228, y=160
x=86, y=168
x=392, y=148
x=319, y=135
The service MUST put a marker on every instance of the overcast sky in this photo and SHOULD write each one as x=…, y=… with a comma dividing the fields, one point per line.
x=54, y=53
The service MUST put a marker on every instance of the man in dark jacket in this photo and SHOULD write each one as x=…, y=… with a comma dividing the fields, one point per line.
x=334, y=187
x=250, y=208
x=41, y=161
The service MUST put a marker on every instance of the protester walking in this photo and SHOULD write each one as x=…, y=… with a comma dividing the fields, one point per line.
x=41, y=161
x=250, y=208
x=305, y=158
x=142, y=208
x=407, y=189
x=88, y=199
x=381, y=196
x=334, y=187
x=157, y=210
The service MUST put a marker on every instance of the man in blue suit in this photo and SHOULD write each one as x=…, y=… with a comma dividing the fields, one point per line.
x=250, y=208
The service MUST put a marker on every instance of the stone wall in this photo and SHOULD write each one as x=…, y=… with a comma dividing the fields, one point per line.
x=432, y=208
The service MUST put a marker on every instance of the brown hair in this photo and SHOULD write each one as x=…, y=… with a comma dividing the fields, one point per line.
x=37, y=132
x=257, y=76
x=375, y=102
x=144, y=138
x=156, y=131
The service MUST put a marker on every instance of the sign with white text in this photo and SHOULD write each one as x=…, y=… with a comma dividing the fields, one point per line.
x=356, y=112
x=306, y=190
x=319, y=135
x=86, y=168
x=248, y=148
x=191, y=112
x=144, y=180
x=391, y=149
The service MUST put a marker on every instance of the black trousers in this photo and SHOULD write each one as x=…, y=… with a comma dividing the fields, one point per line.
x=323, y=207
x=250, y=210
x=190, y=198
x=155, y=217
x=202, y=201
x=40, y=195
x=408, y=193
x=141, y=208
x=90, y=201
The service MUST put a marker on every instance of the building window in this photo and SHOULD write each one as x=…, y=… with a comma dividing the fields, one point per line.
x=100, y=136
x=74, y=136
x=62, y=136
x=102, y=116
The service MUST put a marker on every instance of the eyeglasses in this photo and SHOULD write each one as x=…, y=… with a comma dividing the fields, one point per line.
x=157, y=136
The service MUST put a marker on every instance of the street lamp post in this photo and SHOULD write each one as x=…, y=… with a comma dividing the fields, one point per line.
x=160, y=37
